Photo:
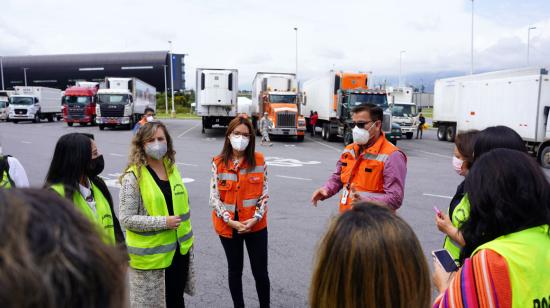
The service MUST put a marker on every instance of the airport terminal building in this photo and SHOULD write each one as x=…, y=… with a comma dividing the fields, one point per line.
x=60, y=71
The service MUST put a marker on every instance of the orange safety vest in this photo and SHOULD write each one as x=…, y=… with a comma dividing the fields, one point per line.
x=239, y=189
x=365, y=172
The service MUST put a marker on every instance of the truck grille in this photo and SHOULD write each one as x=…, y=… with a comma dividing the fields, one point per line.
x=286, y=119
x=111, y=110
x=386, y=123
x=76, y=112
x=20, y=111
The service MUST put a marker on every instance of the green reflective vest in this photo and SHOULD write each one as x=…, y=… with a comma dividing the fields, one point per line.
x=156, y=249
x=5, y=181
x=460, y=214
x=527, y=254
x=102, y=217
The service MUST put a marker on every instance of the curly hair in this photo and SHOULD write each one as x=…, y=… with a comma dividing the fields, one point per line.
x=137, y=155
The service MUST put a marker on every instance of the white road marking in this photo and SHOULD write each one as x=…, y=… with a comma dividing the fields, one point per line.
x=185, y=164
x=26, y=142
x=288, y=162
x=187, y=180
x=438, y=196
x=188, y=130
x=290, y=146
x=435, y=154
x=292, y=177
x=328, y=146
x=210, y=139
x=116, y=154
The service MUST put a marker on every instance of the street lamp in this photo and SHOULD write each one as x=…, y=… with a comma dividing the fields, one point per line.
x=401, y=65
x=472, y=43
x=165, y=90
x=172, y=80
x=25, y=74
x=2, y=71
x=528, y=41
x=296, y=71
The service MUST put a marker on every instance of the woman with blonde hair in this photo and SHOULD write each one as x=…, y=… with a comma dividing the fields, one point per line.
x=370, y=257
x=154, y=209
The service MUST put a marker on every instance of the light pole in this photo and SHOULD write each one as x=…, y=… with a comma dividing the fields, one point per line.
x=528, y=41
x=172, y=80
x=25, y=74
x=296, y=71
x=472, y=43
x=165, y=90
x=2, y=71
x=401, y=64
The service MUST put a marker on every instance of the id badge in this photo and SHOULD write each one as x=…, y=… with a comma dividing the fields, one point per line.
x=345, y=195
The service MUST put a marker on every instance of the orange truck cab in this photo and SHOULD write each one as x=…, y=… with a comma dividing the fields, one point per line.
x=79, y=105
x=278, y=95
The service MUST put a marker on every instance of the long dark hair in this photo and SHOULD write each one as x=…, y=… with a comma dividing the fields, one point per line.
x=70, y=162
x=227, y=151
x=370, y=257
x=508, y=193
x=52, y=256
x=465, y=143
x=497, y=137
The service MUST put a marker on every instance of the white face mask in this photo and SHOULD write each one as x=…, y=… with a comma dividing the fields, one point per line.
x=361, y=136
x=156, y=150
x=457, y=165
x=150, y=119
x=239, y=143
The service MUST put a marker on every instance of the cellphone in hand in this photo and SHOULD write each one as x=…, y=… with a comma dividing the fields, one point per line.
x=445, y=259
x=438, y=212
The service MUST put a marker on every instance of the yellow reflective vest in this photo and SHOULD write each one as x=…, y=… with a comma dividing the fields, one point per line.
x=156, y=249
x=460, y=215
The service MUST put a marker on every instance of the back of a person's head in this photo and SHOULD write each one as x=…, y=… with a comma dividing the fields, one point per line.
x=497, y=137
x=508, y=192
x=370, y=257
x=52, y=256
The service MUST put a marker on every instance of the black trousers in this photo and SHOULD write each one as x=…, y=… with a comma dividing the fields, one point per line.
x=256, y=245
x=175, y=279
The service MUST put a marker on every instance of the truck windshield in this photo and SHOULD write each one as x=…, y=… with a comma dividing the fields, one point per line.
x=379, y=100
x=79, y=100
x=279, y=98
x=403, y=110
x=21, y=100
x=113, y=99
x=2, y=104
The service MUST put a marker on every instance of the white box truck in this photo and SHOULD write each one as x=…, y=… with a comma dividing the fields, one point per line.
x=519, y=99
x=35, y=104
x=4, y=104
x=123, y=102
x=278, y=95
x=403, y=110
x=216, y=96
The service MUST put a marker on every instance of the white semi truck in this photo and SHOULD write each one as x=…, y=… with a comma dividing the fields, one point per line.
x=35, y=104
x=123, y=102
x=216, y=96
x=403, y=110
x=519, y=99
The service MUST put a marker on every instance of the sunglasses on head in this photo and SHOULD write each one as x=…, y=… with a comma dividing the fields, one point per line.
x=359, y=124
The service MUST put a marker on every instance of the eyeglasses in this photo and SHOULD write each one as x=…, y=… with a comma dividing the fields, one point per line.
x=241, y=134
x=359, y=124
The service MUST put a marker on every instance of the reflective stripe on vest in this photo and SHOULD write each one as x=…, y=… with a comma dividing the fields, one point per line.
x=155, y=249
x=227, y=177
x=102, y=217
x=379, y=157
x=527, y=255
x=4, y=181
x=257, y=169
x=459, y=216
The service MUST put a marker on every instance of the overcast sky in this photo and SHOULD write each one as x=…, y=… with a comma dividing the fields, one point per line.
x=254, y=35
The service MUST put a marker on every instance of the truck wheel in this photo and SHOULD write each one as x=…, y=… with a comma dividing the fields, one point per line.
x=348, y=137
x=451, y=133
x=15, y=121
x=442, y=133
x=331, y=134
x=300, y=138
x=70, y=124
x=101, y=127
x=36, y=118
x=544, y=156
x=409, y=135
x=50, y=118
x=324, y=132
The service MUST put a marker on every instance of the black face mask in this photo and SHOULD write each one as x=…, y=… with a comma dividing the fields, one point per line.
x=96, y=166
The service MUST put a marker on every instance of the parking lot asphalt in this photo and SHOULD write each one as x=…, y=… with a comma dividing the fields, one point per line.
x=295, y=170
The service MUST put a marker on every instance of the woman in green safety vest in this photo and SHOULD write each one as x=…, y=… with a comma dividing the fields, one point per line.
x=506, y=259
x=74, y=174
x=154, y=209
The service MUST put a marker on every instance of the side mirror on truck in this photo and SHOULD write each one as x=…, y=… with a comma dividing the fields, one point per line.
x=36, y=101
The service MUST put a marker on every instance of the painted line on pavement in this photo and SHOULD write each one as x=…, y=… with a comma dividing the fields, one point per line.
x=328, y=146
x=116, y=154
x=188, y=130
x=185, y=164
x=292, y=177
x=435, y=154
x=26, y=142
x=438, y=196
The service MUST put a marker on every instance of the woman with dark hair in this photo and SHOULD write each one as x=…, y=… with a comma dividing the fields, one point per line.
x=238, y=196
x=51, y=256
x=448, y=224
x=506, y=259
x=497, y=137
x=74, y=174
x=370, y=257
x=154, y=209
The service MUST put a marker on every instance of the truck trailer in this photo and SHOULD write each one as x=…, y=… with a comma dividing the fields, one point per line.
x=278, y=95
x=123, y=101
x=216, y=96
x=334, y=95
x=519, y=99
x=35, y=104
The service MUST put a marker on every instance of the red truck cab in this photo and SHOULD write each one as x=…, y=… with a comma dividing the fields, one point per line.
x=79, y=105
